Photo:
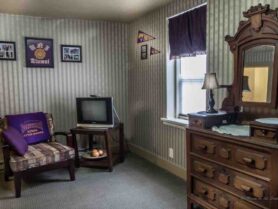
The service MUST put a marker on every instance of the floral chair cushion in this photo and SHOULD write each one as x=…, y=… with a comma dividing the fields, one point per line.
x=41, y=154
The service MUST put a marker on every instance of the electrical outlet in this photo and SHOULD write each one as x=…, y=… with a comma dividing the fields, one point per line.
x=171, y=153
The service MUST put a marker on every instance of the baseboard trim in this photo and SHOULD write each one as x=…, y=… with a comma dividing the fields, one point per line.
x=172, y=168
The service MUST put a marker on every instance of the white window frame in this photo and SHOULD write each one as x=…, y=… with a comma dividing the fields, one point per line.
x=178, y=86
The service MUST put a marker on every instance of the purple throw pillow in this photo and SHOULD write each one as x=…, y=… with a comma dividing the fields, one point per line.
x=33, y=126
x=15, y=140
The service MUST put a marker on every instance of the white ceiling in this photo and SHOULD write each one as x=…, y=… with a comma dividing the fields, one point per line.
x=116, y=10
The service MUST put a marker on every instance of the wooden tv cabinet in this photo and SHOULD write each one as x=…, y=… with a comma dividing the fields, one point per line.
x=111, y=158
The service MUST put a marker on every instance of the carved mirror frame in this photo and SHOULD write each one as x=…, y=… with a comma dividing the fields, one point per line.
x=261, y=28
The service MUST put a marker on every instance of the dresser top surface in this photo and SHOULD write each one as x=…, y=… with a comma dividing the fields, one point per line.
x=230, y=138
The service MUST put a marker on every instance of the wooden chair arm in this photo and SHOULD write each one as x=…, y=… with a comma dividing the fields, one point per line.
x=67, y=135
x=61, y=133
x=5, y=146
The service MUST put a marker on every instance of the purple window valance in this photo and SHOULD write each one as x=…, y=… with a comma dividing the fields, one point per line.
x=187, y=33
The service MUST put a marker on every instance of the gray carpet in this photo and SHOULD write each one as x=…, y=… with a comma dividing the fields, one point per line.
x=134, y=184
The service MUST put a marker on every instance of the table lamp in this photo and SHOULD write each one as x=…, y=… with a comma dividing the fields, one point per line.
x=210, y=83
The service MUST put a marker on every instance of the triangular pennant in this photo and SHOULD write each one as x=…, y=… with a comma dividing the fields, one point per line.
x=144, y=37
x=154, y=51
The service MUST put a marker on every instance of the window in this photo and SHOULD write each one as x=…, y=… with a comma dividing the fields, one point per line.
x=190, y=76
x=186, y=65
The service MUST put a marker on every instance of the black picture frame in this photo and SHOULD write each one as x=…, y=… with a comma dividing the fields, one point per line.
x=69, y=56
x=40, y=49
x=7, y=50
x=144, y=52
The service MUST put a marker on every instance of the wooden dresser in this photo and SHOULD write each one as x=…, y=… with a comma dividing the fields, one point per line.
x=226, y=172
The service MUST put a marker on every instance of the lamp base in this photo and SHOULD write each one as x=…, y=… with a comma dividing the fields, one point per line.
x=211, y=111
x=211, y=103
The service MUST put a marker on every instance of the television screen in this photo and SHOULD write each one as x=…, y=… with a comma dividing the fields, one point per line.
x=95, y=111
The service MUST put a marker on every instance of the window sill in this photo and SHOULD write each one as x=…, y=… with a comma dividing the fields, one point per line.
x=175, y=122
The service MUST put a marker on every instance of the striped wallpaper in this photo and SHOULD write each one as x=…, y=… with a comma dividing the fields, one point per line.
x=223, y=19
x=112, y=66
x=147, y=86
x=104, y=70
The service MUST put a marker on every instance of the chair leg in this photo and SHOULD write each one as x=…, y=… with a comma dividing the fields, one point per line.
x=7, y=171
x=6, y=174
x=71, y=170
x=17, y=184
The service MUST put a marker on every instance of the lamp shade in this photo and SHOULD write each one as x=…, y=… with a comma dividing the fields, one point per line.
x=210, y=81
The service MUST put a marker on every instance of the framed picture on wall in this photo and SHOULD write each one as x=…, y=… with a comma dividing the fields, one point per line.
x=71, y=53
x=144, y=52
x=39, y=52
x=7, y=50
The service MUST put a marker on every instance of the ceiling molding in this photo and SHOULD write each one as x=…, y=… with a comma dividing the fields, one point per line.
x=113, y=10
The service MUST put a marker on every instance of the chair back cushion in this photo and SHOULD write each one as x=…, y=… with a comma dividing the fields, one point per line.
x=15, y=140
x=33, y=126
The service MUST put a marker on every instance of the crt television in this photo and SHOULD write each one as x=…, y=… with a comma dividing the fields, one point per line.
x=95, y=112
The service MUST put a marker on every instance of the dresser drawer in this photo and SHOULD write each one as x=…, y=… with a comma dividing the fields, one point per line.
x=264, y=132
x=206, y=121
x=246, y=186
x=253, y=161
x=204, y=146
x=203, y=169
x=250, y=187
x=218, y=198
x=196, y=122
x=250, y=160
x=205, y=192
x=243, y=205
x=229, y=202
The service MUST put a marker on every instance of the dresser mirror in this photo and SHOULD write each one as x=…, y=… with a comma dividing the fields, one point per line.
x=257, y=74
x=255, y=50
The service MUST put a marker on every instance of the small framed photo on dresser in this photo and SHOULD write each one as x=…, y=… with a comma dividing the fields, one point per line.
x=144, y=52
x=7, y=50
x=71, y=53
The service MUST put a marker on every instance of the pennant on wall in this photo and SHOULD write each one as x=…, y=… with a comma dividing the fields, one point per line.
x=144, y=37
x=154, y=51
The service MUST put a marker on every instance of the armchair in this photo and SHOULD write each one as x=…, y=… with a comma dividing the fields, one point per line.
x=41, y=156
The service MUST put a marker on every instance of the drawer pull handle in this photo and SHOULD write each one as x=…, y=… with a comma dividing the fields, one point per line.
x=246, y=188
x=204, y=191
x=203, y=147
x=197, y=122
x=264, y=132
x=248, y=160
x=223, y=178
x=201, y=170
x=224, y=203
x=212, y=196
x=225, y=153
